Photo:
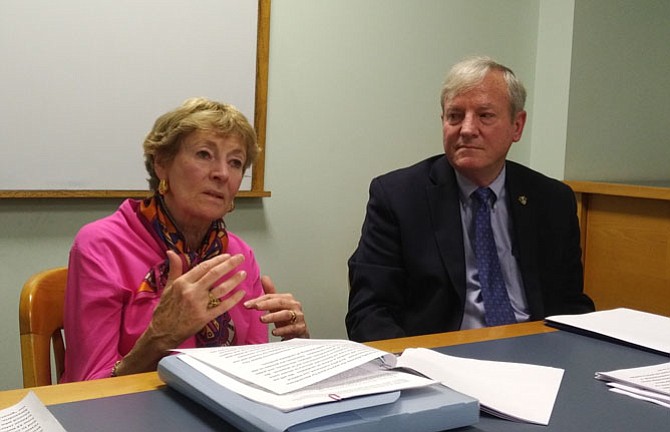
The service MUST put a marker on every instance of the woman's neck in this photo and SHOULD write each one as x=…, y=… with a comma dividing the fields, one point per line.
x=193, y=233
x=193, y=237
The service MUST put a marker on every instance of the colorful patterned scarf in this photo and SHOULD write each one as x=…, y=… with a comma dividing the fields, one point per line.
x=155, y=216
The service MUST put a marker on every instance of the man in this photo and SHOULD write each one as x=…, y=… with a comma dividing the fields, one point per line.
x=421, y=265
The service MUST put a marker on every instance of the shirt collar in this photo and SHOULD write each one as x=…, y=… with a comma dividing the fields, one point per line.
x=466, y=187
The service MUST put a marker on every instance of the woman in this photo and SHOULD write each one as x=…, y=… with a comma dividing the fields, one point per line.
x=164, y=272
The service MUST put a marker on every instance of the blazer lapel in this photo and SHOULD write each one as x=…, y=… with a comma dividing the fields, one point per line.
x=525, y=234
x=445, y=216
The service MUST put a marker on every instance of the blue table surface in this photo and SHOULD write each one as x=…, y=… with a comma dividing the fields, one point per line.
x=583, y=403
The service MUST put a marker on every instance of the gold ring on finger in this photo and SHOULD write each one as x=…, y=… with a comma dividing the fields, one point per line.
x=293, y=317
x=213, y=301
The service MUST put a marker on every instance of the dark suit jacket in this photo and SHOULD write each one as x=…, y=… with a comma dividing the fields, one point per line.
x=407, y=276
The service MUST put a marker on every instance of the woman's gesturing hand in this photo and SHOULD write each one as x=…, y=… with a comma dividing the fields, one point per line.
x=189, y=300
x=283, y=310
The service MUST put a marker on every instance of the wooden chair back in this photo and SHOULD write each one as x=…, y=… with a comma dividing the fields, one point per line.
x=40, y=326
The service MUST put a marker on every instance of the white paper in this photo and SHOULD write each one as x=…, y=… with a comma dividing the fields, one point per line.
x=29, y=415
x=655, y=378
x=283, y=367
x=649, y=383
x=513, y=391
x=639, y=328
x=285, y=375
x=362, y=380
x=639, y=394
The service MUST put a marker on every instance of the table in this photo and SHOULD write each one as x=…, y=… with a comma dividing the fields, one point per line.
x=583, y=403
x=85, y=390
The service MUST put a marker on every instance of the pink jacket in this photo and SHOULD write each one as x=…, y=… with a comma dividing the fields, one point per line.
x=104, y=316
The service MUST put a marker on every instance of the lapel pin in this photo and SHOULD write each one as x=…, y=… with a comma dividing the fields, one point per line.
x=523, y=200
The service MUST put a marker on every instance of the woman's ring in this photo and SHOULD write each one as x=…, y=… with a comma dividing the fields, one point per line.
x=293, y=317
x=213, y=301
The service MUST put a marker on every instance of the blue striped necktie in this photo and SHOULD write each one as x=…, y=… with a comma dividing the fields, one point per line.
x=497, y=307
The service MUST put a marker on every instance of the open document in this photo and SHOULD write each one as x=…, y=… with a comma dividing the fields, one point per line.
x=302, y=372
x=314, y=385
x=642, y=329
x=649, y=383
x=29, y=415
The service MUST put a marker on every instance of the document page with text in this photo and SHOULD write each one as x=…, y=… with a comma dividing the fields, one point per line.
x=363, y=380
x=29, y=415
x=650, y=383
x=283, y=367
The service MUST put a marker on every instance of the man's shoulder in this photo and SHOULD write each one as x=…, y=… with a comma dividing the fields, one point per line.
x=529, y=178
x=417, y=170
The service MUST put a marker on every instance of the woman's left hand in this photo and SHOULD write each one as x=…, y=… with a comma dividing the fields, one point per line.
x=284, y=311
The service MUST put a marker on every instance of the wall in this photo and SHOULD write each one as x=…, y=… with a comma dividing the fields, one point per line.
x=552, y=85
x=353, y=92
x=619, y=91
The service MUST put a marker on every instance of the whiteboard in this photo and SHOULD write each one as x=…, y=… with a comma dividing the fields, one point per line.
x=81, y=82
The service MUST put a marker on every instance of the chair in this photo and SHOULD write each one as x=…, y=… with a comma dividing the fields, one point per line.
x=40, y=325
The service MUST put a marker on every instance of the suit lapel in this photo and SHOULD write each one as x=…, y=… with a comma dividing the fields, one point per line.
x=445, y=216
x=522, y=204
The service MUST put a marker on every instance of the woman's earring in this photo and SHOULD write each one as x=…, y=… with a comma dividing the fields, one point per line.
x=232, y=206
x=162, y=187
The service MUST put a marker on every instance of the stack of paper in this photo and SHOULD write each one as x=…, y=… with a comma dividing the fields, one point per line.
x=426, y=409
x=649, y=383
x=634, y=327
x=314, y=385
x=301, y=373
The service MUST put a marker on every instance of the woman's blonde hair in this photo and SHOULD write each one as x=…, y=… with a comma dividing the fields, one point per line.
x=169, y=130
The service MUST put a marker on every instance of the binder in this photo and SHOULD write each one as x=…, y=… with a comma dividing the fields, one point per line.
x=432, y=408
